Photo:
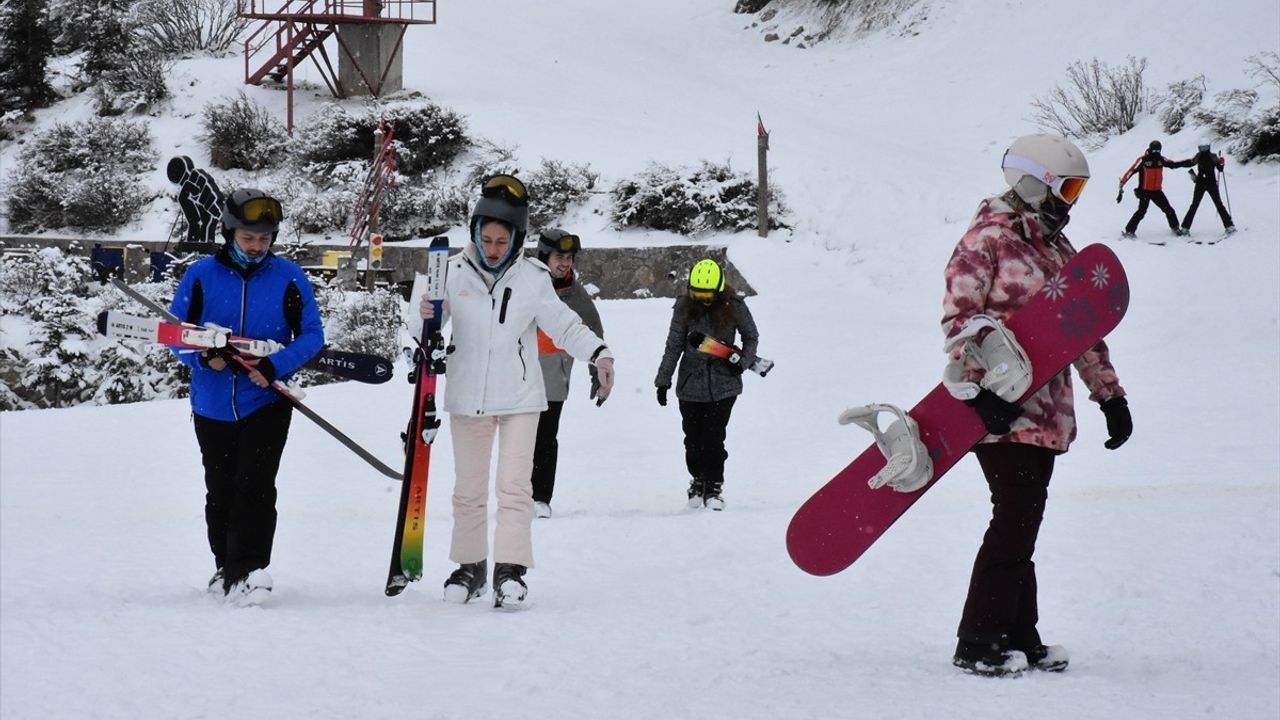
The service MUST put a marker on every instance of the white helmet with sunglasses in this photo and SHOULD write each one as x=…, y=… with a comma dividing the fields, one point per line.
x=1047, y=172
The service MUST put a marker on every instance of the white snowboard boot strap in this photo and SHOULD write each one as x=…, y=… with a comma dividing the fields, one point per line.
x=1008, y=369
x=908, y=466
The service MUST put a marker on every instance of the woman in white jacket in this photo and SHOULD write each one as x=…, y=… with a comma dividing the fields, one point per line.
x=496, y=300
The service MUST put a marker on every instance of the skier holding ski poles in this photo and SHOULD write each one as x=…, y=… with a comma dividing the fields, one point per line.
x=1011, y=248
x=558, y=250
x=706, y=386
x=241, y=423
x=1207, y=165
x=496, y=300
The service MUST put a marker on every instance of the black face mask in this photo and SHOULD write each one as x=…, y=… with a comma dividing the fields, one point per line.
x=1054, y=215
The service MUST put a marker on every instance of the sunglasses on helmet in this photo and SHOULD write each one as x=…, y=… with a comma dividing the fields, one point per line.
x=1067, y=189
x=260, y=209
x=506, y=187
x=702, y=295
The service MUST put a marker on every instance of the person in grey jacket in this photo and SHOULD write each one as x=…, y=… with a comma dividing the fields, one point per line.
x=706, y=386
x=558, y=249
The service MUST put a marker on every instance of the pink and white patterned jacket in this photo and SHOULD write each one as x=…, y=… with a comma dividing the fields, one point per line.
x=999, y=264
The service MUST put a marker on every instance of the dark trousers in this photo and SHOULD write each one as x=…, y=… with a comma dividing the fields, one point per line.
x=241, y=459
x=545, y=451
x=1212, y=189
x=1146, y=197
x=705, y=425
x=1002, y=589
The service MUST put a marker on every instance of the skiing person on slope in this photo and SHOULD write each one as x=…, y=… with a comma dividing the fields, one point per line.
x=1013, y=245
x=242, y=424
x=706, y=386
x=559, y=250
x=1150, y=170
x=1207, y=165
x=497, y=299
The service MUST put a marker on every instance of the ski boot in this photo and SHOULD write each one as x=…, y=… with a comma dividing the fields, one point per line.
x=711, y=496
x=509, y=589
x=466, y=583
x=989, y=659
x=250, y=590
x=695, y=494
x=541, y=509
x=216, y=586
x=1047, y=658
x=1128, y=235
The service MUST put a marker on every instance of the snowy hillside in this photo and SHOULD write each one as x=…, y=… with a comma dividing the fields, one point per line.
x=1159, y=563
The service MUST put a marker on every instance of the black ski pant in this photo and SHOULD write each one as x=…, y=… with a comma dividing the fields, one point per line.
x=1002, y=590
x=1146, y=197
x=546, y=449
x=705, y=425
x=241, y=459
x=1210, y=187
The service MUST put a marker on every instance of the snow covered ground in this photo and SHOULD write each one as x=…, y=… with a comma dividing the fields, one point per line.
x=1159, y=563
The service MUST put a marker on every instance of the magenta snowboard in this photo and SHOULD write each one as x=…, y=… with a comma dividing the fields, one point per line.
x=1072, y=311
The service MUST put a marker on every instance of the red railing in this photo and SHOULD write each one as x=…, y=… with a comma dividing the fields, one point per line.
x=412, y=12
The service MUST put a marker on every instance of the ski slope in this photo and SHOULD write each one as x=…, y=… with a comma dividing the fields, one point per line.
x=1159, y=563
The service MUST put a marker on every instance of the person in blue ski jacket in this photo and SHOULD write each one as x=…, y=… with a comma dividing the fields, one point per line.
x=241, y=422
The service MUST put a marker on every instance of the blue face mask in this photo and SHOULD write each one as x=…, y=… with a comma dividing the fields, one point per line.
x=243, y=260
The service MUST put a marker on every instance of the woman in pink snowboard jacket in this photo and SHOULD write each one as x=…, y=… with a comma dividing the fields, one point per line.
x=1013, y=245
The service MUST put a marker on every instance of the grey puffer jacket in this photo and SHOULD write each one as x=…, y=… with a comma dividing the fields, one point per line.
x=703, y=378
x=557, y=365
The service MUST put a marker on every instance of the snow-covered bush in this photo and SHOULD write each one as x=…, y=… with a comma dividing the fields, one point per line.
x=1251, y=133
x=427, y=137
x=134, y=82
x=1183, y=97
x=690, y=201
x=241, y=133
x=81, y=175
x=416, y=207
x=25, y=46
x=50, y=353
x=1099, y=101
x=176, y=27
x=555, y=186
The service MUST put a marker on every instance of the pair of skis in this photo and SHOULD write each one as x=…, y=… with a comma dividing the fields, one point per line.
x=361, y=367
x=197, y=334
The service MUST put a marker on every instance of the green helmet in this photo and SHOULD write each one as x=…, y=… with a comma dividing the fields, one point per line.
x=706, y=280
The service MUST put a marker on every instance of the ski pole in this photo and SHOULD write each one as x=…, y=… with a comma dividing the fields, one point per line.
x=1225, y=195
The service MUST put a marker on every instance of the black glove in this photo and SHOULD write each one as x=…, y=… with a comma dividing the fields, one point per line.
x=208, y=355
x=997, y=413
x=1120, y=195
x=267, y=368
x=595, y=387
x=1119, y=422
x=735, y=366
x=662, y=394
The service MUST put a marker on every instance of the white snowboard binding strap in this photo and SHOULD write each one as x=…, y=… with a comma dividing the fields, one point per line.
x=1008, y=369
x=908, y=466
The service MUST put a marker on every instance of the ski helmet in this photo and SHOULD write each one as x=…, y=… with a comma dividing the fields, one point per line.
x=505, y=199
x=557, y=240
x=1035, y=165
x=706, y=280
x=253, y=210
x=1154, y=147
x=1204, y=147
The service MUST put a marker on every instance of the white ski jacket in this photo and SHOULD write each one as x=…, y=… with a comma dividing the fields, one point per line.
x=494, y=367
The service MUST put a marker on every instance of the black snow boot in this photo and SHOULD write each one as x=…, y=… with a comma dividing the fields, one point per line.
x=992, y=659
x=509, y=589
x=695, y=494
x=467, y=582
x=711, y=496
x=1047, y=658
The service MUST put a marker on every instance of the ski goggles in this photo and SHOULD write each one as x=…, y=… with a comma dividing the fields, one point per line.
x=260, y=210
x=506, y=187
x=1067, y=189
x=702, y=295
x=565, y=244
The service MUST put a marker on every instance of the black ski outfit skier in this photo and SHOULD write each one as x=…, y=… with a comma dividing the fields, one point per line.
x=241, y=423
x=706, y=386
x=558, y=250
x=1149, y=168
x=1207, y=165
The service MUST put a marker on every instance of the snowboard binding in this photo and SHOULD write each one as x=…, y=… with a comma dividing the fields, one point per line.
x=1006, y=365
x=907, y=467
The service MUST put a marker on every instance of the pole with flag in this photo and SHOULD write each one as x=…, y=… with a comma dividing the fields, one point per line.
x=762, y=185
